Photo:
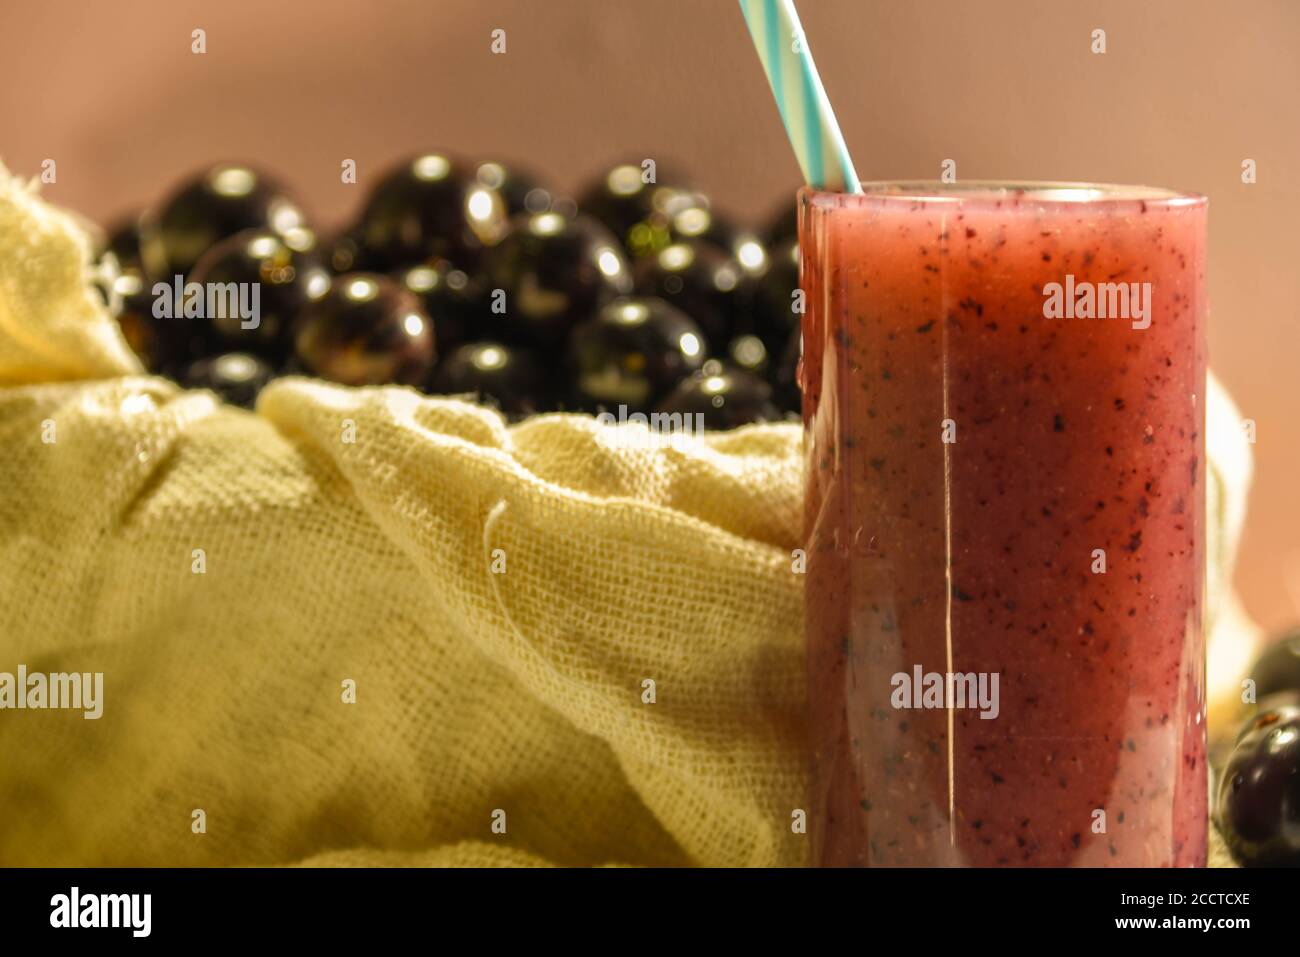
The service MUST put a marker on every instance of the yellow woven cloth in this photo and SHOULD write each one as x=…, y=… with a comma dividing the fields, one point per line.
x=479, y=688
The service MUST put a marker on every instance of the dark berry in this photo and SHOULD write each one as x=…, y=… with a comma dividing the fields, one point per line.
x=727, y=397
x=633, y=352
x=158, y=342
x=508, y=377
x=554, y=272
x=1259, y=792
x=783, y=224
x=235, y=376
x=113, y=253
x=205, y=209
x=521, y=192
x=704, y=282
x=125, y=242
x=367, y=330
x=345, y=253
x=287, y=274
x=749, y=353
x=634, y=208
x=428, y=208
x=785, y=378
x=456, y=302
x=697, y=221
x=677, y=215
x=774, y=313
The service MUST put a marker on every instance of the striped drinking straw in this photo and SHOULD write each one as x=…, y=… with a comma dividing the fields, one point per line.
x=801, y=98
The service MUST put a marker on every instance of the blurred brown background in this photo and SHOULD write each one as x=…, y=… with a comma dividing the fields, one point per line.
x=1008, y=88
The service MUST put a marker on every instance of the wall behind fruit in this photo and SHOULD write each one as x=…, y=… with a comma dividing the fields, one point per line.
x=1008, y=88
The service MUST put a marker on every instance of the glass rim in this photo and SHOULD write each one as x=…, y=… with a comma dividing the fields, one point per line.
x=980, y=192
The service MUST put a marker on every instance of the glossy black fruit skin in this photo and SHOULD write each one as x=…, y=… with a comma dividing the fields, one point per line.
x=774, y=314
x=456, y=302
x=632, y=353
x=748, y=352
x=785, y=378
x=676, y=215
x=290, y=275
x=509, y=377
x=1259, y=792
x=783, y=224
x=345, y=253
x=367, y=330
x=704, y=282
x=158, y=342
x=522, y=192
x=697, y=221
x=235, y=376
x=164, y=345
x=555, y=272
x=125, y=242
x=727, y=397
x=205, y=209
x=1278, y=667
x=428, y=207
x=636, y=212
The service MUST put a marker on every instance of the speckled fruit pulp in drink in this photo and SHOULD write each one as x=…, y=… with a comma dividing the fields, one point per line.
x=995, y=492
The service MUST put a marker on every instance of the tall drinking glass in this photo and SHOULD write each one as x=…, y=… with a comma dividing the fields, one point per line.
x=1004, y=410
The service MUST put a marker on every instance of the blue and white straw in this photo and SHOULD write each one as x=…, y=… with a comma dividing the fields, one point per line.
x=809, y=121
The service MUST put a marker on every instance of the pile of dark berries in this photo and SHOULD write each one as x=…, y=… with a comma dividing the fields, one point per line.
x=474, y=279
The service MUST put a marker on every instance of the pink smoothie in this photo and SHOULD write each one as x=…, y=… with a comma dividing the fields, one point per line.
x=1018, y=498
